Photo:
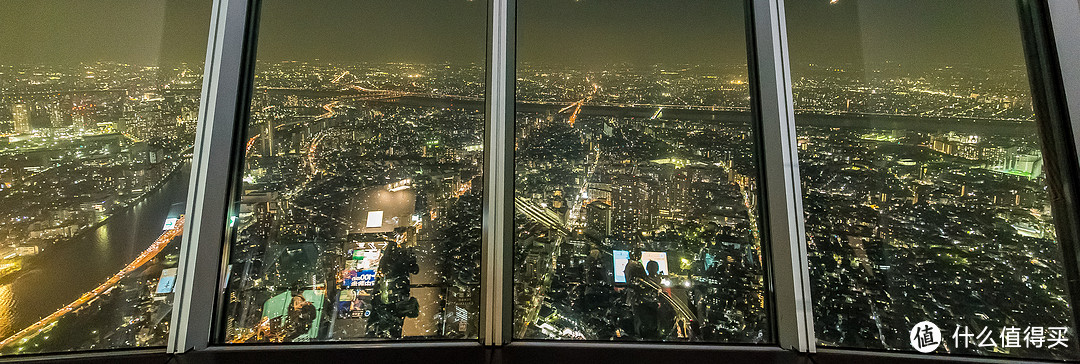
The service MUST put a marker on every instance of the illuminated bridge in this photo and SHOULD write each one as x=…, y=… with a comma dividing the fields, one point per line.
x=139, y=261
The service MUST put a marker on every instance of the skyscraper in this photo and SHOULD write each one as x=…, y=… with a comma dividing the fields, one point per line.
x=21, y=114
x=598, y=215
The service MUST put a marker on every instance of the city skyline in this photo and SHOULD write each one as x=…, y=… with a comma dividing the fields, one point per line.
x=288, y=73
x=638, y=211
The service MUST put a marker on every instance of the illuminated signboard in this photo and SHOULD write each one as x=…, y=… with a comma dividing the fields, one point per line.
x=167, y=281
x=364, y=278
x=621, y=257
x=169, y=223
x=374, y=219
x=366, y=259
x=400, y=185
x=659, y=257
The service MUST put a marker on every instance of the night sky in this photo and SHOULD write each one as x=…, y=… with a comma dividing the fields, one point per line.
x=595, y=33
x=143, y=32
x=919, y=33
x=421, y=31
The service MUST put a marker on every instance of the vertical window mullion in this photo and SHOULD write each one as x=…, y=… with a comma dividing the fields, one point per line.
x=1050, y=30
x=1065, y=21
x=207, y=204
x=781, y=186
x=496, y=264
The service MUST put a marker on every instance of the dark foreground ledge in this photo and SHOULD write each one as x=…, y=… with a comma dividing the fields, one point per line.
x=515, y=353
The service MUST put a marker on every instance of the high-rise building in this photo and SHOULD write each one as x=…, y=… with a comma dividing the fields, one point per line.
x=598, y=216
x=634, y=205
x=57, y=117
x=1028, y=163
x=21, y=115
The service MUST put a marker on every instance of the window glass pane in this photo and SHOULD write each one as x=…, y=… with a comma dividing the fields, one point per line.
x=98, y=107
x=923, y=178
x=360, y=209
x=636, y=178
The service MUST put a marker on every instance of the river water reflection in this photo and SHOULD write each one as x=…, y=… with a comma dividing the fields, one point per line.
x=63, y=272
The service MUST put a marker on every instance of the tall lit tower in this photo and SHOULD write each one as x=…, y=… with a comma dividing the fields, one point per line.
x=21, y=114
x=268, y=136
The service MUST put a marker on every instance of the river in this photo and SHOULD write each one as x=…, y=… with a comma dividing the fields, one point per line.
x=63, y=272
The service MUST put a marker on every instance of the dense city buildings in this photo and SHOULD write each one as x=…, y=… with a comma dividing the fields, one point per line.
x=361, y=193
x=99, y=107
x=601, y=173
x=649, y=162
x=357, y=205
x=958, y=186
x=923, y=181
x=94, y=166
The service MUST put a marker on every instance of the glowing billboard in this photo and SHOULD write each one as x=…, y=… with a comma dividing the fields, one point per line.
x=366, y=259
x=658, y=257
x=170, y=223
x=167, y=281
x=621, y=257
x=374, y=219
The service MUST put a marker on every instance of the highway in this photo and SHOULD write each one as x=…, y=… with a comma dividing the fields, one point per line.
x=147, y=255
x=543, y=215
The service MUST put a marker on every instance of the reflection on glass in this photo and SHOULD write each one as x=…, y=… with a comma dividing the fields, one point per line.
x=923, y=180
x=98, y=108
x=636, y=198
x=360, y=209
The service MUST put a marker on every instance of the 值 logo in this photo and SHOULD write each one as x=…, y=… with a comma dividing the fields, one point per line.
x=925, y=337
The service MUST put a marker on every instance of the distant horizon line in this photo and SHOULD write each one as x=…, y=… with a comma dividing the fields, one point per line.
x=525, y=63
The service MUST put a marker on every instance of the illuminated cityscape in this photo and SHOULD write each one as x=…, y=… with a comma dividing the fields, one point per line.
x=951, y=221
x=951, y=182
x=357, y=205
x=657, y=162
x=362, y=194
x=645, y=167
x=94, y=161
x=642, y=169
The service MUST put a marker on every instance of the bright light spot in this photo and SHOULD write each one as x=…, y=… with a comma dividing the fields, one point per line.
x=169, y=223
x=374, y=219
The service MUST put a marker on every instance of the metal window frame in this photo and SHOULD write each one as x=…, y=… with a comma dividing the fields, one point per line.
x=1051, y=32
x=782, y=223
x=496, y=264
x=1064, y=18
x=224, y=100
